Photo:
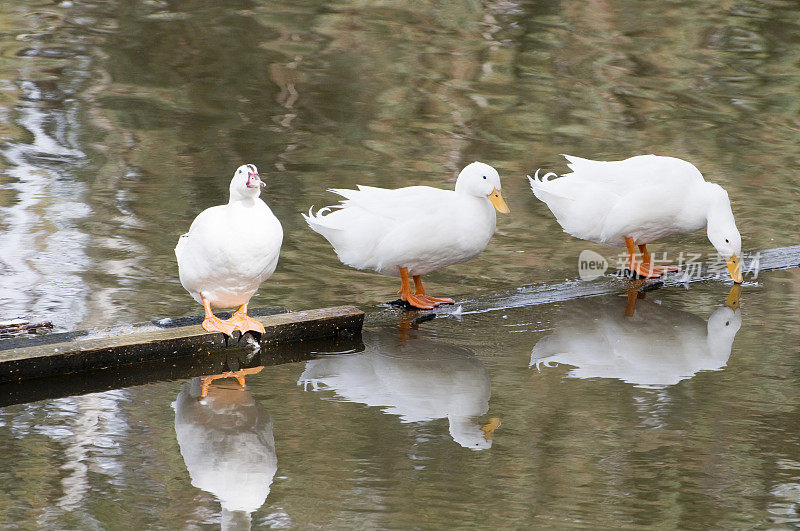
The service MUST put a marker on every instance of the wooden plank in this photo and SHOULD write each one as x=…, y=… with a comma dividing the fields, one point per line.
x=60, y=354
x=24, y=341
x=188, y=366
x=768, y=260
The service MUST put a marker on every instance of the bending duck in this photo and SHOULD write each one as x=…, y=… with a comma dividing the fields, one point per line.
x=639, y=200
x=229, y=251
x=408, y=232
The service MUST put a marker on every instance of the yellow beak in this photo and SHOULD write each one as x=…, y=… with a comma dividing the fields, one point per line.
x=488, y=429
x=732, y=301
x=735, y=269
x=498, y=202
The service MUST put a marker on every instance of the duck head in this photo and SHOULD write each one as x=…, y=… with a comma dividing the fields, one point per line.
x=481, y=180
x=722, y=231
x=246, y=183
x=722, y=327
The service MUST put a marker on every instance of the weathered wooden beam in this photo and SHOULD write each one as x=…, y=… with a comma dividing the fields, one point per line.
x=768, y=260
x=155, y=370
x=59, y=354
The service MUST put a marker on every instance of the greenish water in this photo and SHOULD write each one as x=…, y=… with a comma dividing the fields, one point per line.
x=120, y=121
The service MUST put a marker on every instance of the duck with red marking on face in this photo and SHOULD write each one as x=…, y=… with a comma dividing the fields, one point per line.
x=229, y=251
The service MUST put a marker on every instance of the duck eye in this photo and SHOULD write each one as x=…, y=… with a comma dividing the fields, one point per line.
x=240, y=171
x=726, y=240
x=484, y=177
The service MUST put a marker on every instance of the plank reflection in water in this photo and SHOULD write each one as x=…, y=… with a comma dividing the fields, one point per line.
x=656, y=346
x=227, y=444
x=416, y=379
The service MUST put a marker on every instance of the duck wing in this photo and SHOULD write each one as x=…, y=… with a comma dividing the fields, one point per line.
x=583, y=199
x=621, y=176
x=358, y=225
x=397, y=204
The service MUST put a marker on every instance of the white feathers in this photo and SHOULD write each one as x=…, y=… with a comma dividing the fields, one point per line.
x=230, y=249
x=544, y=178
x=417, y=227
x=645, y=197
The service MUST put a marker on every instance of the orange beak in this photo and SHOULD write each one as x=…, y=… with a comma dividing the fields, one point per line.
x=732, y=301
x=735, y=269
x=498, y=202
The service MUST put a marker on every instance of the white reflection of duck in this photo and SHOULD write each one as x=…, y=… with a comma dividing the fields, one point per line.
x=416, y=379
x=656, y=346
x=227, y=444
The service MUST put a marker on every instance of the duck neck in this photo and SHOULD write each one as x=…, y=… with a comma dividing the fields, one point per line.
x=698, y=207
x=717, y=205
x=242, y=200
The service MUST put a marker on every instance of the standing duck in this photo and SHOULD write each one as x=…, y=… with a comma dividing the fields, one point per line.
x=229, y=251
x=408, y=232
x=639, y=200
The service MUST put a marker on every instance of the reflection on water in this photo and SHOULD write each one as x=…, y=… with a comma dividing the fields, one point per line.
x=647, y=344
x=785, y=506
x=227, y=444
x=593, y=453
x=85, y=436
x=44, y=251
x=414, y=378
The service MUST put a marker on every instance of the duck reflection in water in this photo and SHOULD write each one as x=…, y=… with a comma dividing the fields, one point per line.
x=414, y=378
x=638, y=341
x=227, y=444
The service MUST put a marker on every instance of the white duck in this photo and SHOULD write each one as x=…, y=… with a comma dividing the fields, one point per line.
x=418, y=380
x=639, y=200
x=229, y=251
x=226, y=440
x=639, y=342
x=414, y=230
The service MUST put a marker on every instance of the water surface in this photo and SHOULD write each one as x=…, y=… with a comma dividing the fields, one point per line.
x=120, y=121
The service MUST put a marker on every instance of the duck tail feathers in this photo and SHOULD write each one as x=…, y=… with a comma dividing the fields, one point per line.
x=544, y=178
x=344, y=192
x=181, y=245
x=543, y=184
x=575, y=163
x=312, y=218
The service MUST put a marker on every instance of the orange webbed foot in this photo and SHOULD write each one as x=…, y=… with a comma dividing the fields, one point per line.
x=643, y=270
x=419, y=294
x=417, y=301
x=239, y=375
x=436, y=301
x=650, y=270
x=660, y=270
x=215, y=324
x=244, y=323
